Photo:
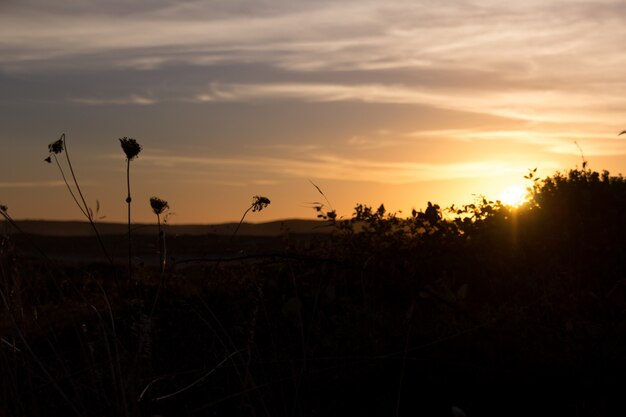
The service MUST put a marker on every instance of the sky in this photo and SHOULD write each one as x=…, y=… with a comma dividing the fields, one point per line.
x=395, y=102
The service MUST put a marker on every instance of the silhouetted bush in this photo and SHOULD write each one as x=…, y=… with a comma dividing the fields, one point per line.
x=387, y=315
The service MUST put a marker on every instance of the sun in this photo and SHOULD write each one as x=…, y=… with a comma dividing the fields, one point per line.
x=514, y=195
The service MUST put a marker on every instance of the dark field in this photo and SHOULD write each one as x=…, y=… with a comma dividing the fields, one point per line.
x=497, y=311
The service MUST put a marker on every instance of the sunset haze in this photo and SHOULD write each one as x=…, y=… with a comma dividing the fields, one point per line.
x=397, y=102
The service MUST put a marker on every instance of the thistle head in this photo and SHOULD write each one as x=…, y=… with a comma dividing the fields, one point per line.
x=56, y=147
x=130, y=147
x=158, y=205
x=259, y=203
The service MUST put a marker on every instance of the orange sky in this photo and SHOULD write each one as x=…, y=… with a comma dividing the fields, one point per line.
x=397, y=103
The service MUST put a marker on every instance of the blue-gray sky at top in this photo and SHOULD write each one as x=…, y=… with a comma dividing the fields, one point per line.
x=397, y=102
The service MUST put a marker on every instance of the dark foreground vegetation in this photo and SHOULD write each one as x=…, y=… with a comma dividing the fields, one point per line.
x=495, y=310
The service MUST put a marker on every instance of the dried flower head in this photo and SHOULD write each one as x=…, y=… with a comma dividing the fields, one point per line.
x=3, y=208
x=56, y=147
x=259, y=202
x=48, y=160
x=158, y=205
x=130, y=147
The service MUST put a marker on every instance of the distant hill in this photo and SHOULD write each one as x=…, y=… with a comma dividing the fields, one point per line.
x=77, y=228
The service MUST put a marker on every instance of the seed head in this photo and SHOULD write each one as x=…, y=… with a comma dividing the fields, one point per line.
x=130, y=147
x=56, y=147
x=3, y=208
x=158, y=205
x=259, y=202
x=48, y=160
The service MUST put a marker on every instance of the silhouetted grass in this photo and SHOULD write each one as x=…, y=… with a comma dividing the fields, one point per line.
x=159, y=206
x=131, y=149
x=482, y=306
x=60, y=146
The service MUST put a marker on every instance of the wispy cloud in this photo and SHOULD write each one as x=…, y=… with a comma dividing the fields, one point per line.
x=536, y=61
x=533, y=105
x=377, y=141
x=560, y=141
x=132, y=100
x=31, y=184
x=454, y=82
x=292, y=148
x=334, y=167
x=371, y=36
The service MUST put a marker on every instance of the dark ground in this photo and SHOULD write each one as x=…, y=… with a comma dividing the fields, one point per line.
x=500, y=312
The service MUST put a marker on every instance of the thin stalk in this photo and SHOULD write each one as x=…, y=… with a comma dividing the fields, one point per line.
x=69, y=163
x=186, y=388
x=84, y=210
x=241, y=221
x=118, y=383
x=258, y=204
x=70, y=188
x=582, y=155
x=323, y=195
x=164, y=250
x=131, y=148
x=161, y=243
x=129, y=200
x=37, y=360
x=403, y=369
x=13, y=223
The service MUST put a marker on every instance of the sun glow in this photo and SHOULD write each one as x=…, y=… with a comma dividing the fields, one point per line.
x=514, y=195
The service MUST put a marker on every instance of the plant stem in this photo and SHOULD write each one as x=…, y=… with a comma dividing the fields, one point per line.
x=84, y=208
x=70, y=188
x=12, y=222
x=128, y=200
x=40, y=363
x=161, y=243
x=241, y=221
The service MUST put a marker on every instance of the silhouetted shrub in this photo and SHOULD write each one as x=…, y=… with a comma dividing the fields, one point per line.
x=473, y=296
